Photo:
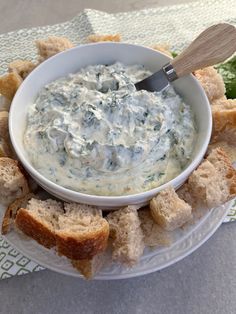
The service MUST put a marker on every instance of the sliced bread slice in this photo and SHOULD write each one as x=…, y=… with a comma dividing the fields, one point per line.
x=169, y=211
x=82, y=232
x=128, y=244
x=154, y=235
x=39, y=220
x=13, y=183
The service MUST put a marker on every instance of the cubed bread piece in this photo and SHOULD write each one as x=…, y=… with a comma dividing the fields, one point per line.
x=207, y=186
x=99, y=38
x=9, y=83
x=212, y=82
x=5, y=103
x=169, y=211
x=229, y=149
x=82, y=231
x=5, y=142
x=223, y=165
x=224, y=121
x=6, y=149
x=128, y=244
x=214, y=181
x=154, y=235
x=21, y=67
x=13, y=183
x=51, y=46
x=39, y=219
x=90, y=267
x=164, y=48
x=11, y=211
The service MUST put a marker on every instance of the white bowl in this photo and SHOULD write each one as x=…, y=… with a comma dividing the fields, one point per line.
x=106, y=53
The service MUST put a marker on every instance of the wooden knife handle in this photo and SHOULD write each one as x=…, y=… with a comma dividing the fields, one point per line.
x=212, y=46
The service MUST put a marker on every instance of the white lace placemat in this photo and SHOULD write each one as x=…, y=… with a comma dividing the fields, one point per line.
x=176, y=25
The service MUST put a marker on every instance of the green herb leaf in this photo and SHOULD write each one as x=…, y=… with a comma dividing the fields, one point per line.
x=228, y=72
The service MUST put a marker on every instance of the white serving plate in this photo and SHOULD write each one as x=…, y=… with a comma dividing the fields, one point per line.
x=185, y=242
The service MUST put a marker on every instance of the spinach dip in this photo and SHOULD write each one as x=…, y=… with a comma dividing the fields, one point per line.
x=93, y=132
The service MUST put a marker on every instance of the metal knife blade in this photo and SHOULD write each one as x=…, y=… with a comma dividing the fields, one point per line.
x=156, y=82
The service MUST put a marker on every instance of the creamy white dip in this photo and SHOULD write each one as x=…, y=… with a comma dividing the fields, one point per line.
x=92, y=132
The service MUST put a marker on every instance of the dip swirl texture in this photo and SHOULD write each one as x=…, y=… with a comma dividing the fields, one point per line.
x=93, y=132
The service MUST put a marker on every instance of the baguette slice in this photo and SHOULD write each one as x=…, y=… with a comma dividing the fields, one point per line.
x=82, y=232
x=128, y=244
x=10, y=213
x=169, y=211
x=39, y=220
x=154, y=235
x=13, y=183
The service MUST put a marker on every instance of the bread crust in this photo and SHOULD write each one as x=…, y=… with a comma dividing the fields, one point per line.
x=220, y=156
x=11, y=211
x=85, y=246
x=94, y=38
x=9, y=83
x=224, y=121
x=21, y=67
x=35, y=229
x=51, y=46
